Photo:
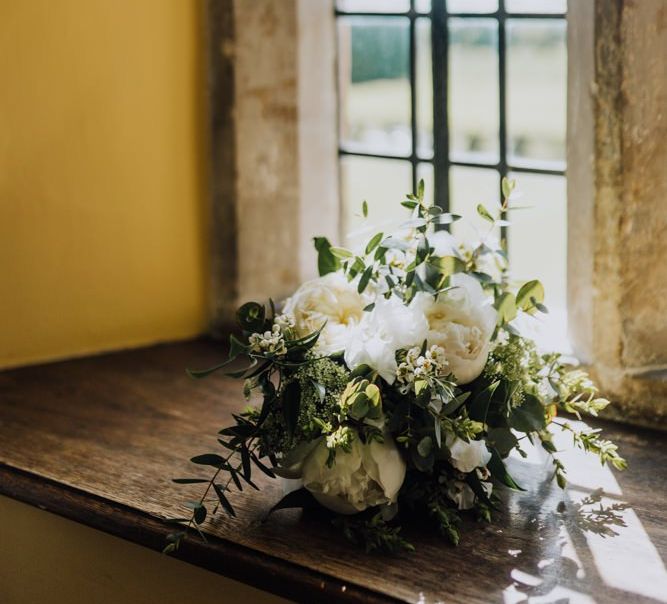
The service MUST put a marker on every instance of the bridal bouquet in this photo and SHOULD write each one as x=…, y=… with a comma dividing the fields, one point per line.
x=396, y=383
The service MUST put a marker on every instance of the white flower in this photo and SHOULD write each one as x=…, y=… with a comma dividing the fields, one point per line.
x=285, y=321
x=432, y=364
x=390, y=326
x=332, y=300
x=466, y=456
x=444, y=243
x=270, y=342
x=370, y=474
x=463, y=496
x=462, y=321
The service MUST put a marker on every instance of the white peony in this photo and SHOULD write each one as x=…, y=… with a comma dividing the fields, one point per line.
x=462, y=321
x=390, y=326
x=466, y=456
x=370, y=474
x=333, y=300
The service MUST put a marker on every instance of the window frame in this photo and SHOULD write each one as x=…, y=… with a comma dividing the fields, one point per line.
x=441, y=159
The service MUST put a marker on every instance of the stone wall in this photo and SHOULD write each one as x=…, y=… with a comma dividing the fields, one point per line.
x=617, y=189
x=273, y=145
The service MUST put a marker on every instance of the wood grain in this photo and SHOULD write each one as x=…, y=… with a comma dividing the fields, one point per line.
x=98, y=440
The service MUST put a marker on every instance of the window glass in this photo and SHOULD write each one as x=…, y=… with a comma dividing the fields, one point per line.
x=424, y=89
x=536, y=90
x=468, y=188
x=472, y=6
x=423, y=6
x=425, y=173
x=538, y=248
x=381, y=183
x=374, y=84
x=491, y=100
x=473, y=90
x=536, y=6
x=375, y=6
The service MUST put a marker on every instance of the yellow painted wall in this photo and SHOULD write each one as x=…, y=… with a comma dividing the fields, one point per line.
x=51, y=560
x=102, y=230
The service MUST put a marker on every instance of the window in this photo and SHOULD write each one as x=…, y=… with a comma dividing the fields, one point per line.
x=460, y=93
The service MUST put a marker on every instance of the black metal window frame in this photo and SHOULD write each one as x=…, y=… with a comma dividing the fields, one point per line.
x=441, y=159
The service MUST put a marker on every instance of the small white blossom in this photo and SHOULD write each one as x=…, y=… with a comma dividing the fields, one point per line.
x=285, y=321
x=270, y=342
x=342, y=437
x=431, y=364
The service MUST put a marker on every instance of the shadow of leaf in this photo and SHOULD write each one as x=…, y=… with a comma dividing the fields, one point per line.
x=600, y=520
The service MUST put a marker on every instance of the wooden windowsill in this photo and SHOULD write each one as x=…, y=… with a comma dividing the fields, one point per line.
x=97, y=440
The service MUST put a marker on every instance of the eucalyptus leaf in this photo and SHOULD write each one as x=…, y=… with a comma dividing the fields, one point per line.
x=219, y=491
x=506, y=307
x=529, y=291
x=365, y=278
x=447, y=265
x=484, y=213
x=326, y=261
x=341, y=252
x=479, y=406
x=498, y=470
x=425, y=446
x=530, y=416
x=374, y=242
x=502, y=439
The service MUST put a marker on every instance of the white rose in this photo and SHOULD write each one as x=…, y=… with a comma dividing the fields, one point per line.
x=333, y=300
x=390, y=326
x=370, y=474
x=462, y=321
x=463, y=496
x=466, y=456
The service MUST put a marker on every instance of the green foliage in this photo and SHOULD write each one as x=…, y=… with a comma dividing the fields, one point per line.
x=251, y=317
x=326, y=261
x=308, y=405
x=373, y=534
x=361, y=399
x=530, y=416
x=530, y=296
x=499, y=471
x=299, y=400
x=590, y=440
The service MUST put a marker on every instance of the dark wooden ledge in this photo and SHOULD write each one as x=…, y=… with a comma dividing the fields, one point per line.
x=97, y=440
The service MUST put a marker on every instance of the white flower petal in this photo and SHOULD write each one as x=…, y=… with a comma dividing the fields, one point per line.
x=390, y=326
x=466, y=456
x=331, y=301
x=370, y=474
x=462, y=321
